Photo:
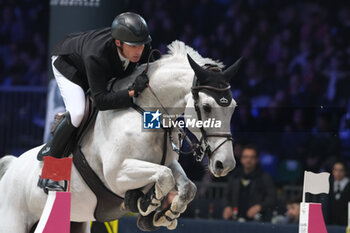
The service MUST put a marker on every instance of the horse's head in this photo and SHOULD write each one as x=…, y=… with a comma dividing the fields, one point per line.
x=211, y=104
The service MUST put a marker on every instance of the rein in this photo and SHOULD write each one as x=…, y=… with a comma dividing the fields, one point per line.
x=145, y=72
x=195, y=146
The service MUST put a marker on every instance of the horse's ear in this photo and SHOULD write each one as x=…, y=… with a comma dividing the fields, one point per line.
x=232, y=70
x=198, y=70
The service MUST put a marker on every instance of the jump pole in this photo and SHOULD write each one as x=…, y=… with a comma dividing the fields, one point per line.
x=56, y=215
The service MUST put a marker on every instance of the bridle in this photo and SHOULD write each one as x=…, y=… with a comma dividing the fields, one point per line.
x=201, y=147
x=203, y=141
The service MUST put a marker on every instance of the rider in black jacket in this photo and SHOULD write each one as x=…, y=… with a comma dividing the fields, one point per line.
x=89, y=60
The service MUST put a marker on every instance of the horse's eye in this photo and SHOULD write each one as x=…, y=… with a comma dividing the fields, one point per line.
x=207, y=108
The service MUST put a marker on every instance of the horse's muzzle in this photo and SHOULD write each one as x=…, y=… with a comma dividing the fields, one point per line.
x=219, y=168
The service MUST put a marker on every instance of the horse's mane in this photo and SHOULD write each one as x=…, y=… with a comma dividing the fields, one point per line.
x=177, y=53
x=179, y=49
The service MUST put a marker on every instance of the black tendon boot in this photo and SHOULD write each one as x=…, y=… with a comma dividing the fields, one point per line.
x=55, y=148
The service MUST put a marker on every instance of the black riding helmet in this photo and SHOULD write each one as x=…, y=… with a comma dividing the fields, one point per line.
x=131, y=29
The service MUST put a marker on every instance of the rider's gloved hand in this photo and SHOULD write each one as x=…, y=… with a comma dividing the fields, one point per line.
x=139, y=84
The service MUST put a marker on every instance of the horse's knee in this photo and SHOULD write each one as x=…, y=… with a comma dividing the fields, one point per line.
x=180, y=202
x=166, y=180
x=188, y=192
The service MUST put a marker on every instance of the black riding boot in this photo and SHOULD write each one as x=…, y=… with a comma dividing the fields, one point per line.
x=56, y=148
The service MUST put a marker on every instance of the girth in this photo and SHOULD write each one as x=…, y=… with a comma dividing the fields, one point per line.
x=108, y=203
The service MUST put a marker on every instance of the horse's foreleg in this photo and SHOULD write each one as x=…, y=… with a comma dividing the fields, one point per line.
x=136, y=174
x=186, y=193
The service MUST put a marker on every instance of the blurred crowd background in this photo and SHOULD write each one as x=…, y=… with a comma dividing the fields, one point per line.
x=293, y=88
x=23, y=42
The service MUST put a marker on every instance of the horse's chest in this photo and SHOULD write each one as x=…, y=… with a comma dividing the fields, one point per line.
x=150, y=150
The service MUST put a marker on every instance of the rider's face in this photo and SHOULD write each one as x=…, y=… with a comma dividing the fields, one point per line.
x=133, y=53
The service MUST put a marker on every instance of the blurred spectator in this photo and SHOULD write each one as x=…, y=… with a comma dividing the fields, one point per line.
x=293, y=210
x=251, y=192
x=292, y=213
x=339, y=195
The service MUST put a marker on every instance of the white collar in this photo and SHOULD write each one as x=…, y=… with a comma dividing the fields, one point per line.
x=342, y=184
x=124, y=60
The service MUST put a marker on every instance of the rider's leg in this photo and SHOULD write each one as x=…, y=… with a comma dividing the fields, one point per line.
x=74, y=99
x=62, y=135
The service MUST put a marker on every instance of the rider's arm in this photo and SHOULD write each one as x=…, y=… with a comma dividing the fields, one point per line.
x=104, y=99
x=107, y=100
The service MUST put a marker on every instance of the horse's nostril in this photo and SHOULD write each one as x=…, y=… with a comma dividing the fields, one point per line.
x=219, y=165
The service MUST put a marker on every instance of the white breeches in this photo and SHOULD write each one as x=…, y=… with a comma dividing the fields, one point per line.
x=73, y=96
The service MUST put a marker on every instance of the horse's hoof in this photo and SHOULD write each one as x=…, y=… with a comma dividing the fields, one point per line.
x=145, y=223
x=130, y=199
x=148, y=202
x=172, y=225
x=161, y=219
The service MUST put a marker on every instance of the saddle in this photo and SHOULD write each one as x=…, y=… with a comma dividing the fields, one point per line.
x=108, y=203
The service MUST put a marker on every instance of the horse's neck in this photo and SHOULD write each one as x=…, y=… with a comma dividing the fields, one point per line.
x=170, y=84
